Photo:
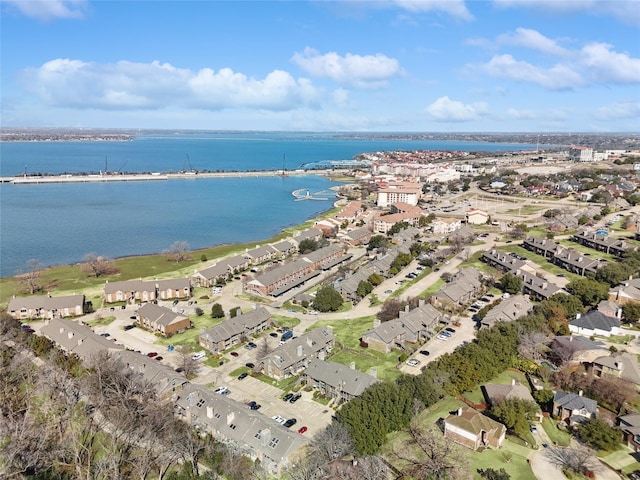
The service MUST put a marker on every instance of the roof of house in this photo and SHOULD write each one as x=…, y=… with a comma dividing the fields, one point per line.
x=46, y=302
x=497, y=393
x=236, y=422
x=358, y=233
x=161, y=376
x=284, y=246
x=138, y=285
x=509, y=309
x=76, y=338
x=271, y=277
x=159, y=315
x=214, y=271
x=626, y=364
x=236, y=325
x=595, y=319
x=475, y=422
x=304, y=346
x=259, y=252
x=573, y=401
x=386, y=332
x=323, y=253
x=578, y=343
x=173, y=284
x=348, y=380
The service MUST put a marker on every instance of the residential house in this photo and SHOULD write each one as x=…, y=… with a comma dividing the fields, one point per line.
x=235, y=330
x=351, y=211
x=472, y=429
x=276, y=447
x=412, y=326
x=294, y=356
x=282, y=279
x=359, y=236
x=621, y=365
x=538, y=288
x=574, y=408
x=285, y=248
x=326, y=257
x=384, y=337
x=577, y=349
x=630, y=426
x=595, y=323
x=445, y=226
x=541, y=246
x=602, y=243
x=165, y=380
x=505, y=262
x=464, y=286
x=162, y=320
x=46, y=306
x=507, y=310
x=260, y=254
x=629, y=291
x=476, y=216
x=76, y=338
x=336, y=381
x=496, y=393
x=309, y=234
x=172, y=288
x=130, y=291
x=575, y=262
x=210, y=276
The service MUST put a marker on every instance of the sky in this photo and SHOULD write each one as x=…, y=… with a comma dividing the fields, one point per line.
x=336, y=66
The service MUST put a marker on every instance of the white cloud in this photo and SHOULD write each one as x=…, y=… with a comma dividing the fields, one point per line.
x=128, y=85
x=341, y=99
x=521, y=114
x=615, y=111
x=447, y=110
x=46, y=10
x=526, y=37
x=608, y=66
x=626, y=11
x=455, y=8
x=558, y=77
x=368, y=71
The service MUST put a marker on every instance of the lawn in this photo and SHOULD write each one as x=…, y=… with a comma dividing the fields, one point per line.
x=512, y=456
x=622, y=459
x=590, y=251
x=348, y=348
x=556, y=435
x=189, y=337
x=540, y=261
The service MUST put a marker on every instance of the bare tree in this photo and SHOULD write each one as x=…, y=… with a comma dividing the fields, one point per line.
x=309, y=468
x=263, y=350
x=189, y=365
x=429, y=454
x=333, y=442
x=533, y=345
x=31, y=278
x=579, y=459
x=98, y=265
x=178, y=251
x=371, y=468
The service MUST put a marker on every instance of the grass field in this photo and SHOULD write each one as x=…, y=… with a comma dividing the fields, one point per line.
x=556, y=435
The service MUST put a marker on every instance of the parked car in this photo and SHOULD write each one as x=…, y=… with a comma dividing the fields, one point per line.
x=243, y=375
x=254, y=406
x=158, y=358
x=249, y=365
x=103, y=334
x=290, y=423
x=250, y=346
x=287, y=397
x=442, y=337
x=152, y=354
x=412, y=362
x=179, y=370
x=278, y=419
x=129, y=327
x=234, y=354
x=295, y=398
x=449, y=329
x=302, y=430
x=388, y=291
x=273, y=334
x=221, y=391
x=424, y=352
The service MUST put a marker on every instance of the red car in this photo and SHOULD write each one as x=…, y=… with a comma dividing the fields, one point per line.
x=234, y=354
x=152, y=354
x=302, y=430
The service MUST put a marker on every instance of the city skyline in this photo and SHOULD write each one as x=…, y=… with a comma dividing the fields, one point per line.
x=501, y=66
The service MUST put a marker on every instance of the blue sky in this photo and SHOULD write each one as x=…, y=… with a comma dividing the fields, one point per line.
x=351, y=65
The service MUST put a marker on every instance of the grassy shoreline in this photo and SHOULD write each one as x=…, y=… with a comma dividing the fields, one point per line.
x=69, y=279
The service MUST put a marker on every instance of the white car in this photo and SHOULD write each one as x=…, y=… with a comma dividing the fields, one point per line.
x=412, y=362
x=442, y=337
x=221, y=390
x=278, y=419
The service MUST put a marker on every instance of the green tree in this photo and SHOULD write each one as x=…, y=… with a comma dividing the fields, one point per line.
x=327, y=299
x=307, y=245
x=377, y=241
x=375, y=279
x=614, y=273
x=590, y=292
x=396, y=227
x=364, y=288
x=543, y=397
x=493, y=474
x=217, y=311
x=516, y=414
x=600, y=435
x=510, y=283
x=631, y=311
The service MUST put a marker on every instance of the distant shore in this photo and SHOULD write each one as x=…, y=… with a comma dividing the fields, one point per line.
x=139, y=177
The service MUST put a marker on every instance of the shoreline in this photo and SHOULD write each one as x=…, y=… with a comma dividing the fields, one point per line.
x=63, y=278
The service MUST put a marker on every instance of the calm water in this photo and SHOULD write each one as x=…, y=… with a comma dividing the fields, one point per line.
x=59, y=224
